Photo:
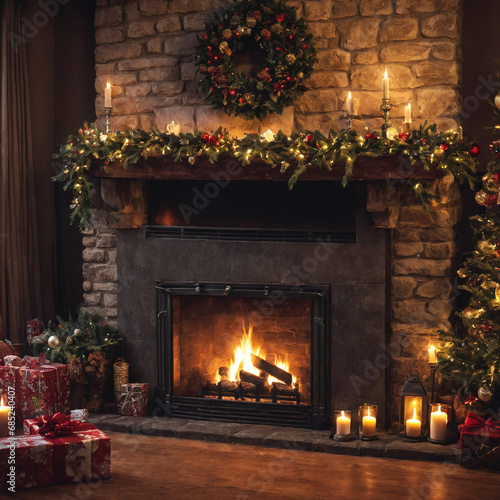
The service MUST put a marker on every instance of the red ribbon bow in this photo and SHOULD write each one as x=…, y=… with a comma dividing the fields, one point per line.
x=57, y=425
x=475, y=421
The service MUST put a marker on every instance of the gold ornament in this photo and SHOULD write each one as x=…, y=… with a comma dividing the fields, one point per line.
x=301, y=75
x=227, y=34
x=462, y=273
x=240, y=30
x=53, y=341
x=277, y=28
x=497, y=293
x=484, y=394
x=191, y=160
x=481, y=197
x=251, y=21
x=249, y=98
x=290, y=59
x=497, y=100
x=223, y=46
x=246, y=31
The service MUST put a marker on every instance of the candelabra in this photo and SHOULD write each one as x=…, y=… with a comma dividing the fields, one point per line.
x=107, y=111
x=385, y=107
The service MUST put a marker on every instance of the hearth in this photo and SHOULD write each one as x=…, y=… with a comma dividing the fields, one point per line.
x=255, y=353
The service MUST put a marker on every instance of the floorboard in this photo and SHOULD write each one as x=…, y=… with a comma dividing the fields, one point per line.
x=150, y=467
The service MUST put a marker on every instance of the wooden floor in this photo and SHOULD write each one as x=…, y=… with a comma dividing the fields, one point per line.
x=146, y=467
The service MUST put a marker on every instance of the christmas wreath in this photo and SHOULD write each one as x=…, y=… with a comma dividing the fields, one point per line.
x=251, y=27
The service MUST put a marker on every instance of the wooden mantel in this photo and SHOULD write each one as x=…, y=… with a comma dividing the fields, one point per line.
x=162, y=168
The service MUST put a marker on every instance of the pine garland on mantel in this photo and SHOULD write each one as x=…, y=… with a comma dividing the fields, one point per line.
x=440, y=152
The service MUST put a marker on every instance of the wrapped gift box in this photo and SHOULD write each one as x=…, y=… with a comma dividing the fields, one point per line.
x=478, y=438
x=134, y=400
x=7, y=379
x=41, y=390
x=32, y=458
x=31, y=426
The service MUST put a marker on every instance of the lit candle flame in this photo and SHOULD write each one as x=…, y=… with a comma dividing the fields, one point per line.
x=108, y=85
x=349, y=96
x=414, y=414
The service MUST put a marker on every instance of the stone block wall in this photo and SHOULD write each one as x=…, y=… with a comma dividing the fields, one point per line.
x=145, y=49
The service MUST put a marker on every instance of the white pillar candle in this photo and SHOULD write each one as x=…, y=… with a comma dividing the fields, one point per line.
x=343, y=425
x=432, y=354
x=4, y=420
x=107, y=96
x=348, y=104
x=439, y=424
x=369, y=425
x=408, y=113
x=413, y=425
x=385, y=86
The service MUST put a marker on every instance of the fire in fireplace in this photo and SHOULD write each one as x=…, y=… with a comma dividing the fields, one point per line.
x=244, y=352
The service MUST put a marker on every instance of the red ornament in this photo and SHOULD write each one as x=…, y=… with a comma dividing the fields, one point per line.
x=444, y=146
x=305, y=47
x=403, y=136
x=205, y=137
x=474, y=150
x=424, y=141
x=266, y=34
x=491, y=200
x=241, y=100
x=280, y=18
x=371, y=136
x=308, y=138
x=232, y=92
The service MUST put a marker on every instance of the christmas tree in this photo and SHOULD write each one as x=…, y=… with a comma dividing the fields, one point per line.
x=470, y=355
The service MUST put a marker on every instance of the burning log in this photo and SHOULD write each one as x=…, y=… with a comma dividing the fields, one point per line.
x=283, y=389
x=259, y=382
x=228, y=385
x=273, y=370
x=224, y=373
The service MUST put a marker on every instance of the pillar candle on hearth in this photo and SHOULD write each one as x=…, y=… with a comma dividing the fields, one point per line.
x=369, y=425
x=413, y=425
x=107, y=96
x=439, y=425
x=343, y=425
x=4, y=419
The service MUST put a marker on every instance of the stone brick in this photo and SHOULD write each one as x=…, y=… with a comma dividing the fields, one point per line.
x=403, y=287
x=406, y=51
x=128, y=122
x=148, y=104
x=110, y=312
x=318, y=11
x=365, y=57
x=334, y=59
x=344, y=9
x=328, y=79
x=124, y=106
x=375, y=7
x=109, y=35
x=92, y=299
x=155, y=46
x=322, y=30
x=440, y=25
x=138, y=90
x=407, y=249
x=441, y=309
x=434, y=288
x=160, y=74
x=146, y=62
x=182, y=115
x=88, y=241
x=412, y=6
x=107, y=16
x=146, y=121
x=105, y=53
x=154, y=7
x=141, y=28
x=196, y=22
x=317, y=101
x=411, y=311
x=422, y=267
x=181, y=45
x=110, y=299
x=105, y=69
x=398, y=28
x=87, y=286
x=106, y=241
x=297, y=5
x=106, y=273
x=105, y=287
x=358, y=33
x=444, y=50
x=190, y=5
x=93, y=255
x=415, y=216
x=188, y=71
x=436, y=72
x=111, y=255
x=168, y=88
x=117, y=80
x=132, y=12
x=169, y=24
x=436, y=101
x=209, y=119
x=370, y=77
x=369, y=102
x=438, y=234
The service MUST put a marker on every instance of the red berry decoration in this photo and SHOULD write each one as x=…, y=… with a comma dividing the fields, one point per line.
x=308, y=138
x=474, y=150
x=444, y=146
x=205, y=137
x=403, y=136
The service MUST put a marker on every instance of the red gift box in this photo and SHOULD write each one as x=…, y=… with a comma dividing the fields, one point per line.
x=134, y=400
x=25, y=462
x=7, y=379
x=41, y=390
x=478, y=437
x=31, y=426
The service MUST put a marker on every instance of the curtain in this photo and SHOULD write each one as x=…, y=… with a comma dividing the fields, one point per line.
x=20, y=283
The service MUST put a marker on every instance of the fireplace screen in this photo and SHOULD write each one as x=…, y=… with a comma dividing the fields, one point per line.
x=244, y=352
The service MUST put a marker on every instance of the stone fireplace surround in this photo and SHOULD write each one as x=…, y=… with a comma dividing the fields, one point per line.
x=403, y=255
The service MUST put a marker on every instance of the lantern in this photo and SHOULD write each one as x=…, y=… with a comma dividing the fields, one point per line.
x=413, y=413
x=367, y=421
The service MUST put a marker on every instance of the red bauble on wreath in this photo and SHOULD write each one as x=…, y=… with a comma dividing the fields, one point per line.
x=261, y=27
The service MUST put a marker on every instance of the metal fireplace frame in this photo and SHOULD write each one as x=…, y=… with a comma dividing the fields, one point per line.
x=315, y=415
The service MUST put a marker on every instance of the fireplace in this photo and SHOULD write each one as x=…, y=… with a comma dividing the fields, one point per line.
x=255, y=353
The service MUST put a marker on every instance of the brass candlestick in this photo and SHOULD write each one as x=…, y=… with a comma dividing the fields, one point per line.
x=107, y=111
x=385, y=107
x=433, y=379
